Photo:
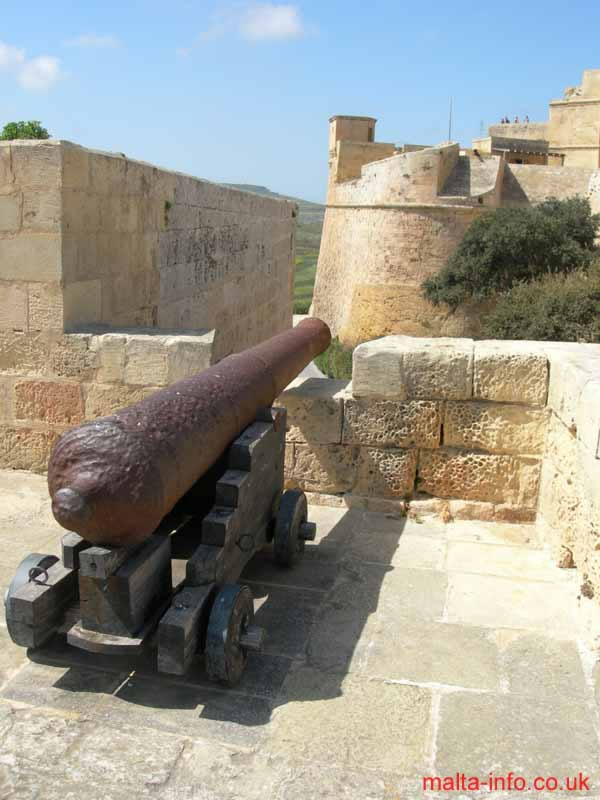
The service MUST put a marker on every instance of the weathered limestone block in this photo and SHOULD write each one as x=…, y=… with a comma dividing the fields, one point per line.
x=72, y=356
x=23, y=448
x=6, y=174
x=314, y=410
x=110, y=350
x=146, y=361
x=559, y=512
x=479, y=476
x=45, y=307
x=42, y=210
x=13, y=307
x=31, y=257
x=37, y=165
x=495, y=427
x=402, y=368
x=49, y=401
x=82, y=303
x=104, y=399
x=414, y=423
x=386, y=473
x=76, y=167
x=7, y=396
x=570, y=372
x=323, y=468
x=561, y=447
x=24, y=353
x=188, y=355
x=512, y=372
x=10, y=212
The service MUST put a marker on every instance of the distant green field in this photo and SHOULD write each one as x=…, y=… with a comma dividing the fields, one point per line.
x=304, y=279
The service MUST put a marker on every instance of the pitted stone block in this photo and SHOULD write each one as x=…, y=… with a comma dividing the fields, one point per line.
x=402, y=368
x=104, y=399
x=386, y=473
x=514, y=372
x=495, y=427
x=314, y=410
x=24, y=448
x=479, y=476
x=323, y=468
x=49, y=401
x=415, y=423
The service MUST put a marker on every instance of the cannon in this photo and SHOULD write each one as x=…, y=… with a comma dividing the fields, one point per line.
x=194, y=471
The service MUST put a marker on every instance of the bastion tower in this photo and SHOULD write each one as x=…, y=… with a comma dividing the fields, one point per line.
x=393, y=216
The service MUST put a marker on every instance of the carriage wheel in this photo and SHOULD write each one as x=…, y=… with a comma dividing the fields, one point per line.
x=291, y=528
x=230, y=634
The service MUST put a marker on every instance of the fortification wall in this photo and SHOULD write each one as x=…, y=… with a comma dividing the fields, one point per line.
x=526, y=184
x=90, y=238
x=492, y=430
x=180, y=270
x=350, y=157
x=415, y=177
x=372, y=264
x=521, y=130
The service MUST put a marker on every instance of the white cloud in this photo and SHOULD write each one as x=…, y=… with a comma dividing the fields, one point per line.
x=35, y=73
x=93, y=40
x=270, y=21
x=256, y=22
x=39, y=73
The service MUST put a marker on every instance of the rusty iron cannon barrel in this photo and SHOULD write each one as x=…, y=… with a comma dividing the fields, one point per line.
x=114, y=479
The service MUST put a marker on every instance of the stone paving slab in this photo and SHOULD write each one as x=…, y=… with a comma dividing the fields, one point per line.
x=399, y=649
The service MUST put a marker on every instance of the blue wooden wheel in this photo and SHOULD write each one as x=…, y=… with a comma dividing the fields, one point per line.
x=231, y=615
x=288, y=542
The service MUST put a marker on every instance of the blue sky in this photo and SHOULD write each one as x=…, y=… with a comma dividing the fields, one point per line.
x=242, y=91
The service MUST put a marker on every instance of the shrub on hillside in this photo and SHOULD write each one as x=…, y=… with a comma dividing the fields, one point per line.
x=564, y=308
x=302, y=306
x=336, y=361
x=510, y=246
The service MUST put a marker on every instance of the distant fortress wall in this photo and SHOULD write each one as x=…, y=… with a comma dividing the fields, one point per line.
x=395, y=215
x=386, y=231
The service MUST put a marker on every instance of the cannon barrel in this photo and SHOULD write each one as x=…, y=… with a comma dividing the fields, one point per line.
x=114, y=479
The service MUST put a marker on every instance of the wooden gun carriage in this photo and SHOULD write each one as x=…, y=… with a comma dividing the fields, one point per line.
x=118, y=597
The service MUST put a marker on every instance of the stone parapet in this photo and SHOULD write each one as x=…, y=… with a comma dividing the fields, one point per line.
x=50, y=382
x=486, y=430
x=425, y=417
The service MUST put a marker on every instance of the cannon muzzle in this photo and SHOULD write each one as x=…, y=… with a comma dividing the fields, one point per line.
x=114, y=479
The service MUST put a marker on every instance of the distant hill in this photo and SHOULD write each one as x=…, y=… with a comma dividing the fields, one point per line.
x=308, y=241
x=310, y=215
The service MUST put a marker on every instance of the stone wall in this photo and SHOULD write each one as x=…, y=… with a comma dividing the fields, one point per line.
x=380, y=256
x=526, y=184
x=442, y=418
x=90, y=238
x=488, y=430
x=52, y=381
x=116, y=278
x=569, y=507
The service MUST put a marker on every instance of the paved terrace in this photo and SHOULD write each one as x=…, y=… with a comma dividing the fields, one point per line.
x=398, y=649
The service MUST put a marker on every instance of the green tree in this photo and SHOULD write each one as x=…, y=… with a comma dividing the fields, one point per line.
x=24, y=130
x=510, y=246
x=560, y=308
